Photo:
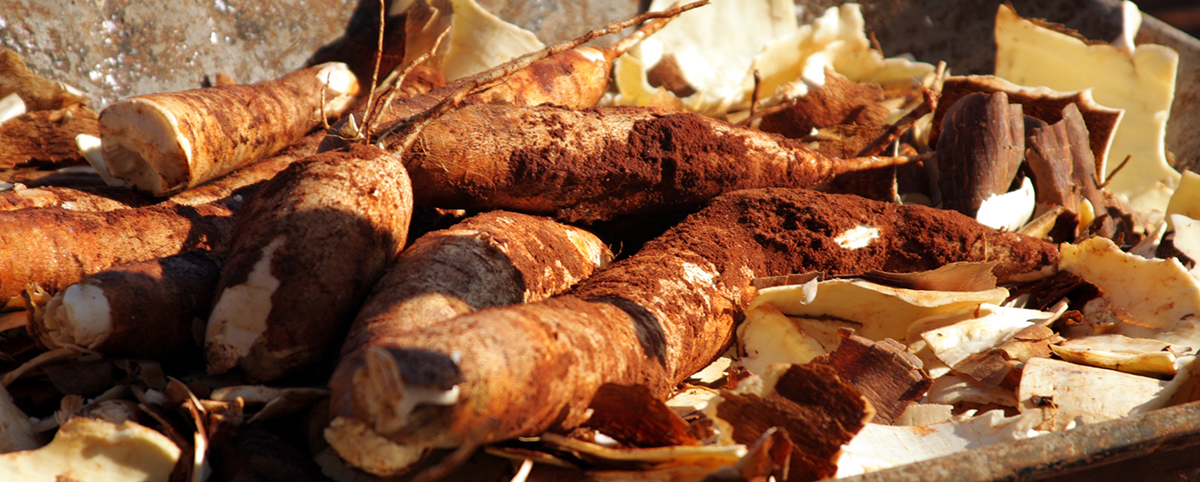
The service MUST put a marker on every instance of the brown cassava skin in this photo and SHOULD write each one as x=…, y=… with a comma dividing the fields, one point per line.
x=55, y=247
x=228, y=126
x=152, y=307
x=601, y=163
x=108, y=198
x=658, y=316
x=341, y=217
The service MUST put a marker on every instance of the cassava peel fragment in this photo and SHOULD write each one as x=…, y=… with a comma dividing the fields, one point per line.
x=165, y=143
x=652, y=319
x=55, y=247
x=600, y=163
x=305, y=252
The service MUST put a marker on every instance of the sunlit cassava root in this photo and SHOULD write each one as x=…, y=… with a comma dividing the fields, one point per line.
x=165, y=143
x=600, y=163
x=306, y=250
x=108, y=198
x=569, y=75
x=54, y=247
x=652, y=319
x=144, y=310
x=492, y=259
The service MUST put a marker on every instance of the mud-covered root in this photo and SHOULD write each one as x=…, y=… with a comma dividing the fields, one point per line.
x=54, y=247
x=306, y=251
x=144, y=310
x=165, y=143
x=652, y=319
x=601, y=163
x=492, y=259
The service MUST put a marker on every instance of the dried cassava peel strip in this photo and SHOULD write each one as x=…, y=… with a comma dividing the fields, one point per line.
x=601, y=163
x=143, y=310
x=492, y=259
x=305, y=252
x=55, y=247
x=165, y=143
x=652, y=319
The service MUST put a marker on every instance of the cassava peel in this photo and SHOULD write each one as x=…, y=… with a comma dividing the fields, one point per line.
x=652, y=319
x=601, y=163
x=305, y=252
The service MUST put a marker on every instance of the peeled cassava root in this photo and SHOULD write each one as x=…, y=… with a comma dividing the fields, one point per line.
x=165, y=143
x=54, y=247
x=492, y=259
x=651, y=320
x=305, y=251
x=597, y=164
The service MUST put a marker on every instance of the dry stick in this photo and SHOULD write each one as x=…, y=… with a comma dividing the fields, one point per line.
x=397, y=77
x=652, y=319
x=375, y=71
x=496, y=73
x=927, y=105
x=1116, y=170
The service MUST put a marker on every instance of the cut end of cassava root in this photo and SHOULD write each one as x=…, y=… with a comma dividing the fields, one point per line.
x=361, y=447
x=141, y=144
x=78, y=316
x=390, y=398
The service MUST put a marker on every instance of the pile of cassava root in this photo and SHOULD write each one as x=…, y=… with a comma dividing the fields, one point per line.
x=459, y=263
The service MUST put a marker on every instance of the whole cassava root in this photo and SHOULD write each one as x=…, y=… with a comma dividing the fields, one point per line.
x=600, y=163
x=55, y=247
x=492, y=259
x=652, y=319
x=305, y=251
x=109, y=198
x=143, y=310
x=165, y=143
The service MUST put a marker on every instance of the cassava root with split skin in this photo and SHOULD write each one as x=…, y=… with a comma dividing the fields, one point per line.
x=305, y=252
x=652, y=319
x=165, y=143
x=492, y=259
x=601, y=163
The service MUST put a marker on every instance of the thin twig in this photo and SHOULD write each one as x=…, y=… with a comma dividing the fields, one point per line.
x=398, y=76
x=494, y=74
x=1115, y=171
x=375, y=72
x=893, y=132
x=754, y=95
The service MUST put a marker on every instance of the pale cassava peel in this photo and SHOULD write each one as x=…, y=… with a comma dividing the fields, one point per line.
x=492, y=259
x=601, y=163
x=165, y=143
x=54, y=247
x=652, y=319
x=143, y=310
x=306, y=250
